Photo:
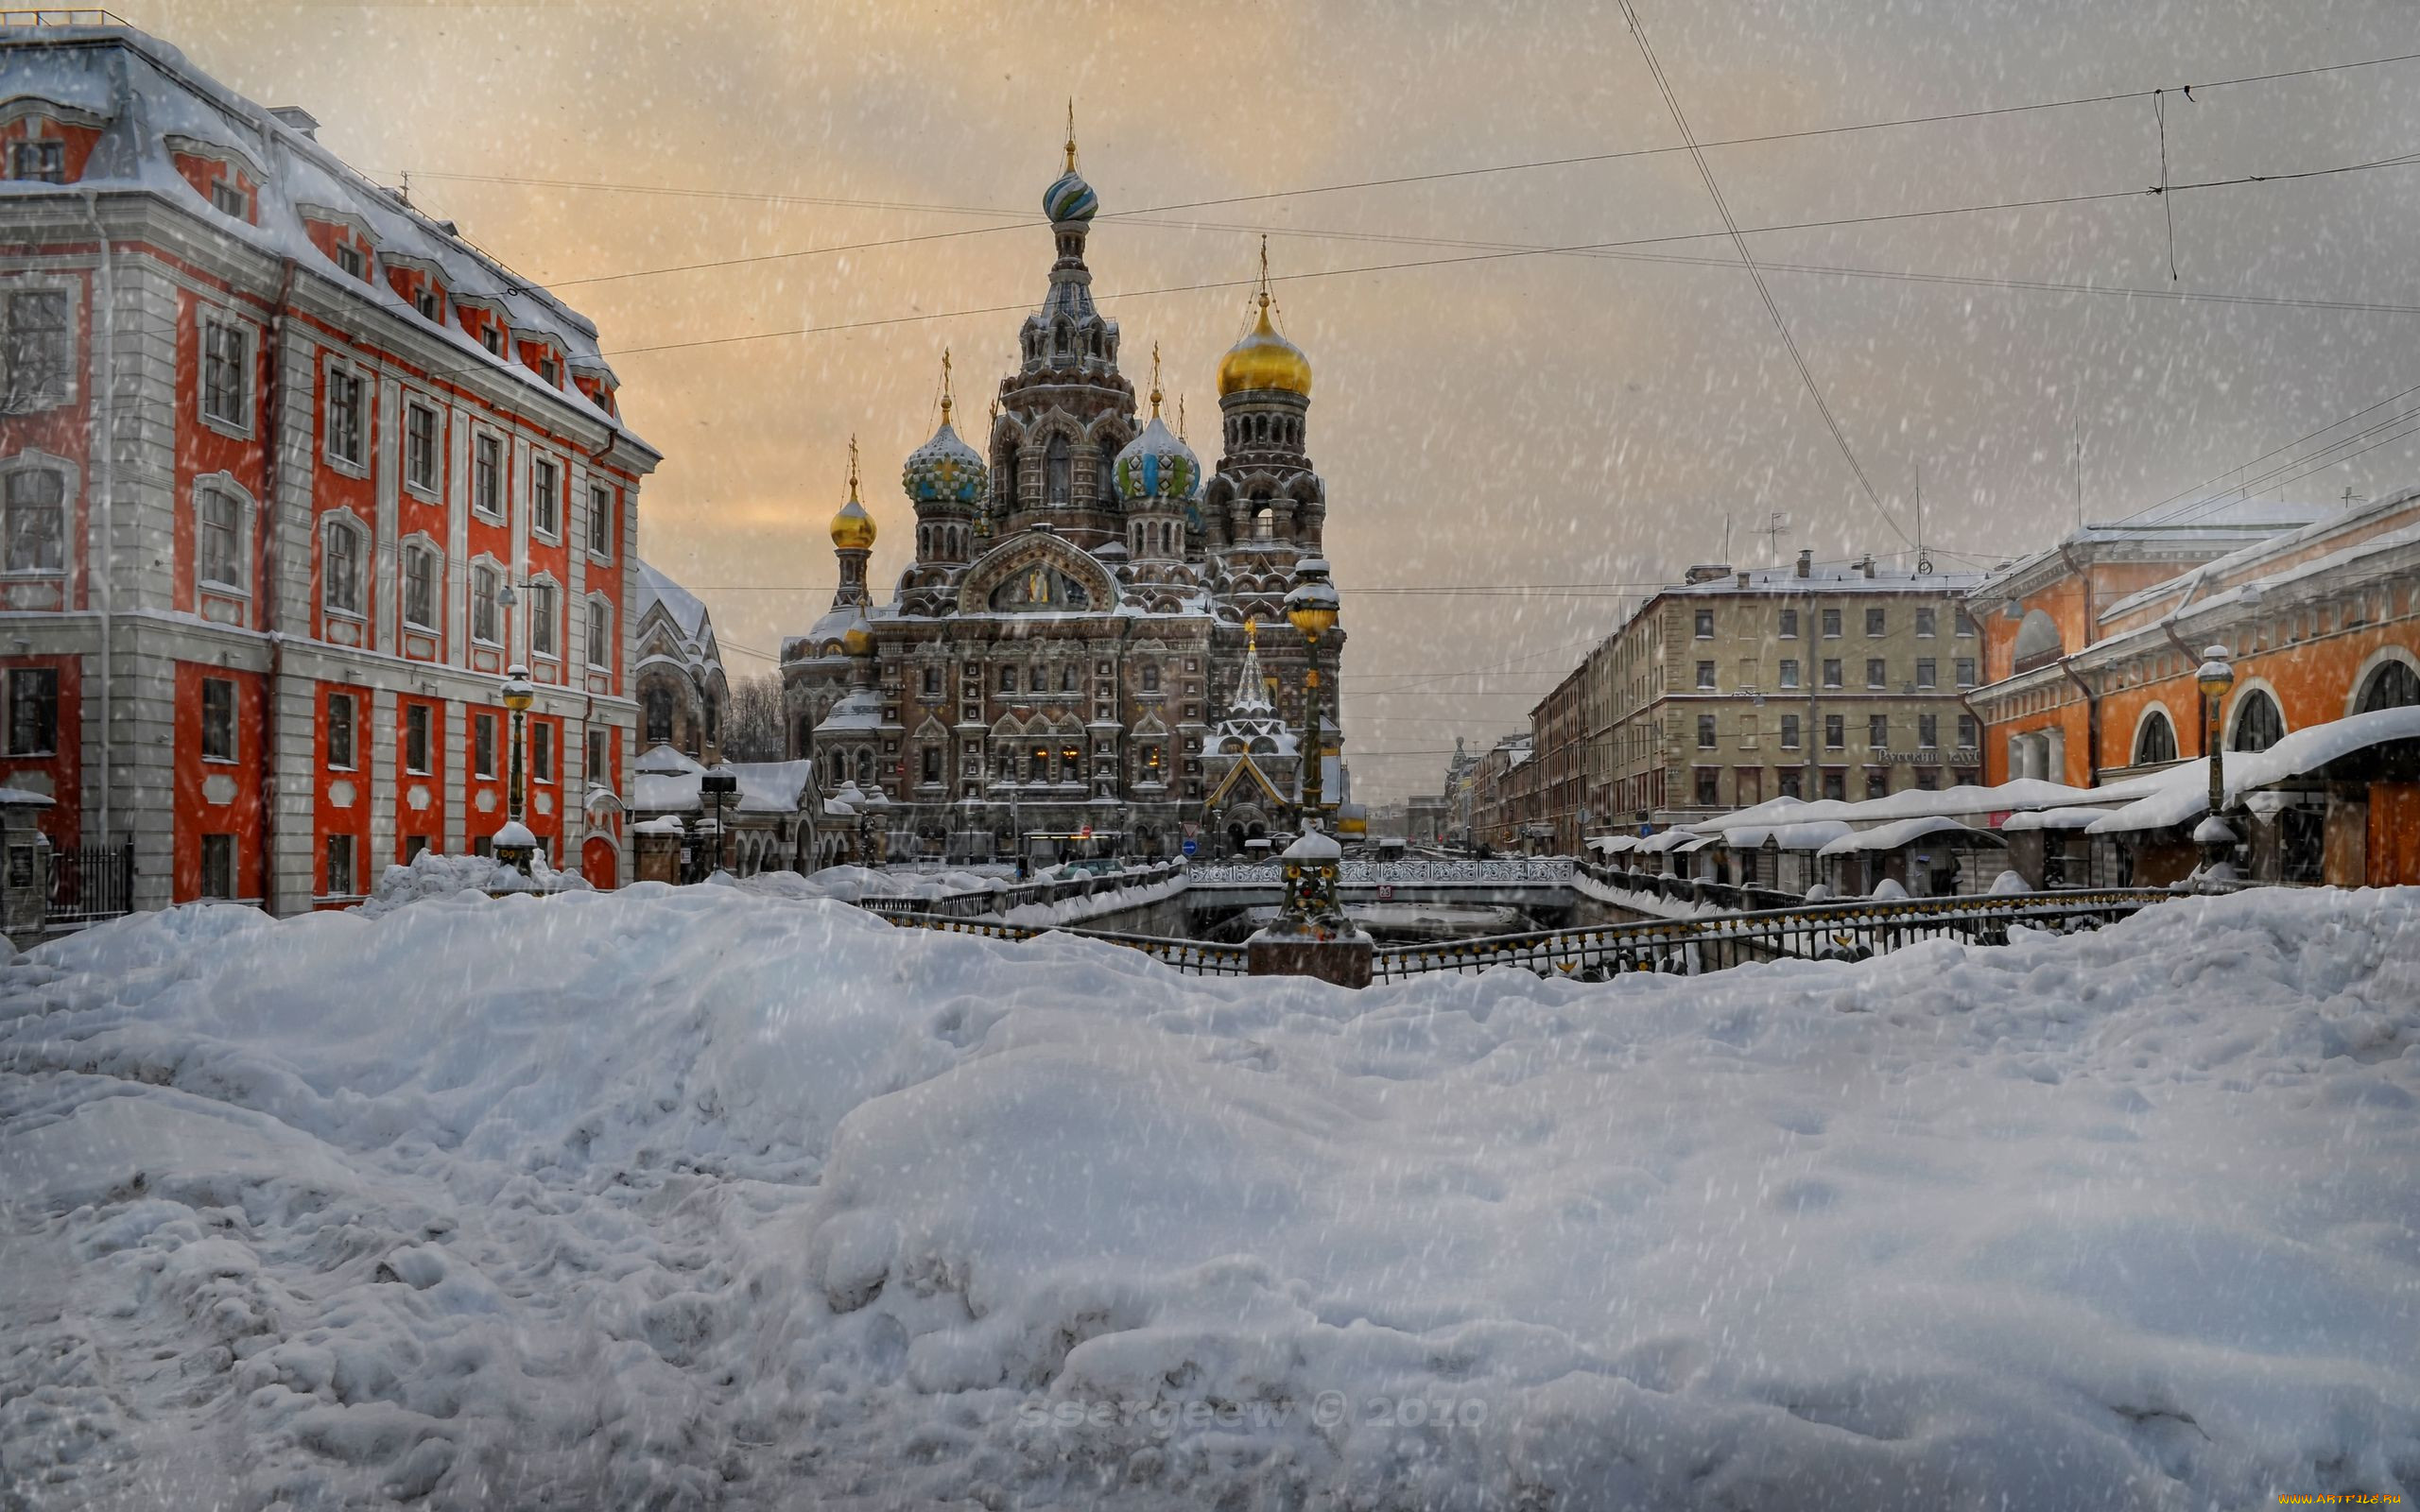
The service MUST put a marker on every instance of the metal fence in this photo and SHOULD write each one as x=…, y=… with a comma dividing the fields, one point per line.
x=988, y=901
x=91, y=882
x=1541, y=870
x=1845, y=931
x=1192, y=956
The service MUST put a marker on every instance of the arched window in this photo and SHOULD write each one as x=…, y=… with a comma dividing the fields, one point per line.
x=805, y=736
x=865, y=768
x=1264, y=524
x=2258, y=722
x=657, y=702
x=1058, y=474
x=2391, y=685
x=2037, y=642
x=2155, y=739
x=1107, y=477
x=1061, y=341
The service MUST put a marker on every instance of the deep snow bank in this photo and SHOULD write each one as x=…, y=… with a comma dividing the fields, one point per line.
x=712, y=1197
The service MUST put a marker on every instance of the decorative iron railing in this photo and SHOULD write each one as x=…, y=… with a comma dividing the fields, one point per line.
x=1191, y=956
x=1853, y=930
x=1537, y=871
x=91, y=882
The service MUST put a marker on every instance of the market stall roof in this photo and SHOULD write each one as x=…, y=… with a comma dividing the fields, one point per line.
x=2078, y=818
x=1908, y=832
x=1810, y=835
x=2182, y=791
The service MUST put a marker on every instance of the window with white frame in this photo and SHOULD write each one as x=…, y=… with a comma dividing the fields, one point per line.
x=33, y=352
x=345, y=428
x=218, y=719
x=227, y=197
x=420, y=446
x=226, y=374
x=487, y=475
x=546, y=497
x=600, y=633
x=38, y=161
x=340, y=568
x=420, y=587
x=486, y=619
x=340, y=732
x=33, y=520
x=542, y=619
x=491, y=337
x=350, y=262
x=600, y=521
x=218, y=557
x=430, y=303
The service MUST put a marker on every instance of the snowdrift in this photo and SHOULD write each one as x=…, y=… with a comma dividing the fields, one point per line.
x=715, y=1197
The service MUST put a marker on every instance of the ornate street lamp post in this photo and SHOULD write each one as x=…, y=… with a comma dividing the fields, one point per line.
x=2214, y=677
x=716, y=784
x=1312, y=608
x=514, y=843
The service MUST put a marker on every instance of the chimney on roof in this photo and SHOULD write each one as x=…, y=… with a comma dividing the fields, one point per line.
x=1807, y=563
x=1744, y=577
x=1866, y=565
x=297, y=118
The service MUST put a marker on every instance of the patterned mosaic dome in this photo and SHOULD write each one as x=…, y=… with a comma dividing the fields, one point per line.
x=1069, y=198
x=944, y=471
x=1156, y=465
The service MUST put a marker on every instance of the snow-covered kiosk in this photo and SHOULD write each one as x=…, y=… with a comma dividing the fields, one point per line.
x=1928, y=856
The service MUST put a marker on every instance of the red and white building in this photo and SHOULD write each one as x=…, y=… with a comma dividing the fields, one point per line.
x=290, y=474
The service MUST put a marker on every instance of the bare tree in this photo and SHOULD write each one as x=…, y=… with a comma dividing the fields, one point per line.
x=753, y=728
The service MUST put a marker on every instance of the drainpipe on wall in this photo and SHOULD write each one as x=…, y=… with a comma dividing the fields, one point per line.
x=102, y=481
x=270, y=421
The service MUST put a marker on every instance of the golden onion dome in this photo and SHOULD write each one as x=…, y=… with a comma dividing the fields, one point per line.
x=1264, y=359
x=852, y=527
x=858, y=640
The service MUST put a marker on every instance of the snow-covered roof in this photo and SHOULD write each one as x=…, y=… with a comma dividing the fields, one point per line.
x=686, y=610
x=1812, y=834
x=156, y=103
x=2209, y=527
x=2181, y=793
x=24, y=797
x=665, y=781
x=1908, y=832
x=1833, y=577
x=2052, y=820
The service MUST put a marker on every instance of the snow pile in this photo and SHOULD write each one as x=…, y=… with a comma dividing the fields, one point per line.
x=1106, y=900
x=433, y=875
x=705, y=1197
x=851, y=885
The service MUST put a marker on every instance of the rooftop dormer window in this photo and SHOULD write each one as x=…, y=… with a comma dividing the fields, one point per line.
x=350, y=260
x=229, y=199
x=549, y=370
x=37, y=161
x=492, y=339
x=430, y=304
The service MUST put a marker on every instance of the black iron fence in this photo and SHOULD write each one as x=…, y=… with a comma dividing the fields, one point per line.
x=1852, y=930
x=1193, y=956
x=91, y=882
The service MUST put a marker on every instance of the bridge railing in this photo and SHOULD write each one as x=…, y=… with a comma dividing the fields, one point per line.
x=987, y=902
x=1536, y=870
x=1851, y=930
x=1193, y=956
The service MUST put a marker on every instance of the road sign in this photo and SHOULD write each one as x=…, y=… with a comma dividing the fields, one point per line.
x=1191, y=847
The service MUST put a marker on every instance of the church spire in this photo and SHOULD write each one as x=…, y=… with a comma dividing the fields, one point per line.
x=1252, y=693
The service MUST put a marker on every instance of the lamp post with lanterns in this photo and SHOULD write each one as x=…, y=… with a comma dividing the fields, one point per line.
x=514, y=843
x=716, y=784
x=1312, y=608
x=2214, y=678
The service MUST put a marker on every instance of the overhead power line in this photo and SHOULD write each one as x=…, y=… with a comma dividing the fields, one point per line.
x=873, y=323
x=1748, y=260
x=1022, y=217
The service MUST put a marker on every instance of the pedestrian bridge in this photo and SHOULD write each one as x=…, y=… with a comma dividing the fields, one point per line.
x=1540, y=882
x=1688, y=944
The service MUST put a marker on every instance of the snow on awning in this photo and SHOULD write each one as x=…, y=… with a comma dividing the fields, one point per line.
x=2183, y=793
x=1613, y=845
x=1908, y=832
x=2053, y=819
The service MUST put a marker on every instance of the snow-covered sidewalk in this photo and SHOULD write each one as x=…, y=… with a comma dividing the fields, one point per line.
x=714, y=1197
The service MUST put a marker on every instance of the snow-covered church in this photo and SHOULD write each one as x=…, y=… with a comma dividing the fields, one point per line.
x=1092, y=633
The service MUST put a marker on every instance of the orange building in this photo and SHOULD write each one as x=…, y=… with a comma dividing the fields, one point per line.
x=290, y=474
x=2091, y=648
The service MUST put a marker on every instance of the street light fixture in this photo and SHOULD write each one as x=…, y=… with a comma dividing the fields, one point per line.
x=716, y=784
x=1312, y=608
x=514, y=844
x=2214, y=678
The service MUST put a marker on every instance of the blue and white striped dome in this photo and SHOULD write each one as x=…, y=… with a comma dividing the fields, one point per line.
x=1069, y=198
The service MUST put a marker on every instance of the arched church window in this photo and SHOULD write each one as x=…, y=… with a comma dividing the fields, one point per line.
x=2258, y=722
x=659, y=717
x=865, y=767
x=1151, y=677
x=1264, y=524
x=1058, y=472
x=1067, y=678
x=805, y=736
x=1106, y=479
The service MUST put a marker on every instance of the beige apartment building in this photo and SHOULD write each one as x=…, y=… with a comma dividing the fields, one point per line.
x=1736, y=686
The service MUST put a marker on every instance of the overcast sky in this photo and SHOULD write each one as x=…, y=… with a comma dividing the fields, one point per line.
x=1482, y=420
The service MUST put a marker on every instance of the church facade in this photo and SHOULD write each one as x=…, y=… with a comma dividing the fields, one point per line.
x=1091, y=636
